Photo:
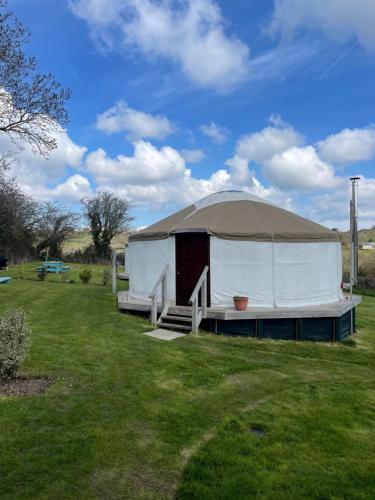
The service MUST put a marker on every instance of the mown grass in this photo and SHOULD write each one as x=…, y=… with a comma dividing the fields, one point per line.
x=28, y=272
x=133, y=417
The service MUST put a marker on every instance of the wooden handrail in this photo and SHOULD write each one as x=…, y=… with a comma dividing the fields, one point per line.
x=198, y=286
x=163, y=281
x=196, y=314
x=155, y=289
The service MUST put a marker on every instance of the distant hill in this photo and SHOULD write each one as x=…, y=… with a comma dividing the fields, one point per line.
x=364, y=235
x=366, y=257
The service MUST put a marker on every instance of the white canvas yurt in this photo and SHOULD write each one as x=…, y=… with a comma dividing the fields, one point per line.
x=252, y=248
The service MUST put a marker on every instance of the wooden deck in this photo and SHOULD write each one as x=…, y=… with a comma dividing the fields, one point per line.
x=123, y=276
x=334, y=310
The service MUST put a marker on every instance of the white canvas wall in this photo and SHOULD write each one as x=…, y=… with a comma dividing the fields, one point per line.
x=279, y=275
x=307, y=273
x=241, y=268
x=147, y=260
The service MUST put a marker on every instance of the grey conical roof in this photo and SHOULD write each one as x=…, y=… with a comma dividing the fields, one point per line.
x=239, y=216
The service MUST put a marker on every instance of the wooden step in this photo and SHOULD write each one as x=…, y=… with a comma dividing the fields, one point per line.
x=177, y=318
x=180, y=311
x=172, y=326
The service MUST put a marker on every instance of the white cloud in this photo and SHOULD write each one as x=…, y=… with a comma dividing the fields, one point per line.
x=291, y=166
x=300, y=168
x=159, y=178
x=30, y=165
x=37, y=174
x=72, y=190
x=340, y=20
x=192, y=155
x=98, y=12
x=137, y=125
x=349, y=146
x=147, y=165
x=217, y=133
x=261, y=146
x=333, y=209
x=190, y=33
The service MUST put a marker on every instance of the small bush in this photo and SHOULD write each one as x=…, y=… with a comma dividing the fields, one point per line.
x=65, y=277
x=85, y=275
x=14, y=342
x=21, y=274
x=42, y=274
x=106, y=276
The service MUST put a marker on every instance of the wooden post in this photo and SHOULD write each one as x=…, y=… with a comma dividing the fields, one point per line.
x=204, y=297
x=114, y=272
x=154, y=309
x=194, y=310
x=125, y=259
x=164, y=291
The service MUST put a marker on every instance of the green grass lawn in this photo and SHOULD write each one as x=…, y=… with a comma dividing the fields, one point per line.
x=133, y=417
x=28, y=272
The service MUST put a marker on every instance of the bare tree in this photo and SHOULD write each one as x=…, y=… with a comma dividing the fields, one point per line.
x=32, y=104
x=107, y=216
x=55, y=226
x=19, y=218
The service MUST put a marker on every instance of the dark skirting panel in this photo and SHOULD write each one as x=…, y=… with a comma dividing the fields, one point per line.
x=241, y=328
x=343, y=325
x=312, y=329
x=316, y=329
x=282, y=329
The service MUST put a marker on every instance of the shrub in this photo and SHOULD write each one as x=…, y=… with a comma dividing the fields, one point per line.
x=14, y=342
x=106, y=276
x=65, y=277
x=42, y=274
x=86, y=256
x=85, y=275
x=21, y=274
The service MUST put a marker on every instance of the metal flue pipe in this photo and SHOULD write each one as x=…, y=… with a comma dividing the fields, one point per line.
x=354, y=234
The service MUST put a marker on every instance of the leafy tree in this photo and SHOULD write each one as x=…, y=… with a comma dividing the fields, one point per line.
x=56, y=225
x=107, y=216
x=32, y=104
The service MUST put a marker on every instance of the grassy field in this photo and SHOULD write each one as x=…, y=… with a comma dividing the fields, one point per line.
x=82, y=239
x=133, y=417
x=364, y=235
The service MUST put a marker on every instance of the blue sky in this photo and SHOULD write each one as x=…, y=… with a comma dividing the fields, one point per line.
x=175, y=99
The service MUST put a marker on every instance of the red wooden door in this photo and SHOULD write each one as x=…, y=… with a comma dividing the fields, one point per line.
x=192, y=255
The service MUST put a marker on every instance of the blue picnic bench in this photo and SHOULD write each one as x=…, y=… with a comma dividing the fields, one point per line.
x=53, y=266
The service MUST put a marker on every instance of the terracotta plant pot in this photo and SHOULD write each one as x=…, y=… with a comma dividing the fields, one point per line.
x=240, y=302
